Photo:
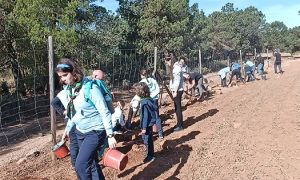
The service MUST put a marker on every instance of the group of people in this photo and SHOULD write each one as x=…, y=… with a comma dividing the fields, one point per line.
x=92, y=121
x=250, y=67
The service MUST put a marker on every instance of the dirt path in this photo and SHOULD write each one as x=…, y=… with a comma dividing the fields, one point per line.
x=248, y=132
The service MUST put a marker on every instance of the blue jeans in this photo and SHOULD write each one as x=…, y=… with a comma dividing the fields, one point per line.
x=87, y=167
x=74, y=148
x=148, y=142
x=178, y=109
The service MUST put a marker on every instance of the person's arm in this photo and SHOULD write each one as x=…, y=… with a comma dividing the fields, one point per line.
x=100, y=104
x=68, y=128
x=156, y=89
x=186, y=86
x=144, y=119
x=58, y=106
x=193, y=83
x=176, y=81
x=104, y=113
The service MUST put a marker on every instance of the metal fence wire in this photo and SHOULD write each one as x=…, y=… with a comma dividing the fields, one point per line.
x=24, y=97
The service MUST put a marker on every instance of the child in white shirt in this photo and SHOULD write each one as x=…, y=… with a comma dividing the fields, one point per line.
x=118, y=122
x=134, y=107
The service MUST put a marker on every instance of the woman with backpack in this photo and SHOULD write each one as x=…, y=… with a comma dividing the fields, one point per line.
x=93, y=121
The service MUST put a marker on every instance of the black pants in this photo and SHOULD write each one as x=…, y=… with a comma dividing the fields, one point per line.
x=237, y=74
x=277, y=65
x=158, y=120
x=178, y=109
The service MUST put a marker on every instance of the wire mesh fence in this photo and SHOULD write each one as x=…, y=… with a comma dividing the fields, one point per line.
x=24, y=96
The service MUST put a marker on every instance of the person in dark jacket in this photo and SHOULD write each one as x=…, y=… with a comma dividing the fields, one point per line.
x=195, y=81
x=59, y=107
x=147, y=119
x=277, y=61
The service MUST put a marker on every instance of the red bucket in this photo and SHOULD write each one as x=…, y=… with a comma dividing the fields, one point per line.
x=154, y=128
x=60, y=149
x=115, y=159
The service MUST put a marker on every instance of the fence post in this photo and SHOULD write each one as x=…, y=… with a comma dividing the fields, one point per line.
x=268, y=58
x=51, y=85
x=155, y=61
x=200, y=62
x=242, y=65
x=228, y=61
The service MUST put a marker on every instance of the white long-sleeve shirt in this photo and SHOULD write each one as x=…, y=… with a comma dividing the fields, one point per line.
x=135, y=102
x=117, y=117
x=176, y=84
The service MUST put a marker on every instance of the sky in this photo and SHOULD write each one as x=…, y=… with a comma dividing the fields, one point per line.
x=274, y=10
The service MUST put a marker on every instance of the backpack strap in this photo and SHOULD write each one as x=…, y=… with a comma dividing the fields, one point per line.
x=88, y=85
x=87, y=90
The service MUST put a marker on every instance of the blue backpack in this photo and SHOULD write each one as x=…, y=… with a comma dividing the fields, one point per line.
x=104, y=90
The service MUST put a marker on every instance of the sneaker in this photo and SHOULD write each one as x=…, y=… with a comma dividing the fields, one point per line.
x=178, y=129
x=160, y=136
x=148, y=159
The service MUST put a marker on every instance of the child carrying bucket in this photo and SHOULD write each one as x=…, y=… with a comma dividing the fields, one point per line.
x=147, y=119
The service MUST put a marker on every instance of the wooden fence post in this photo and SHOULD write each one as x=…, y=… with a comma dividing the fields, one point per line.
x=242, y=65
x=155, y=61
x=51, y=85
x=200, y=62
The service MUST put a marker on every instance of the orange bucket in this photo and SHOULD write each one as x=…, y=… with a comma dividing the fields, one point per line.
x=115, y=159
x=154, y=128
x=60, y=149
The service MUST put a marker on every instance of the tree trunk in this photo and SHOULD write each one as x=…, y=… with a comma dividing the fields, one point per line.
x=16, y=71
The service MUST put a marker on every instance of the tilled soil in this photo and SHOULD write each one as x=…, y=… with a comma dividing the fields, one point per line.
x=249, y=131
